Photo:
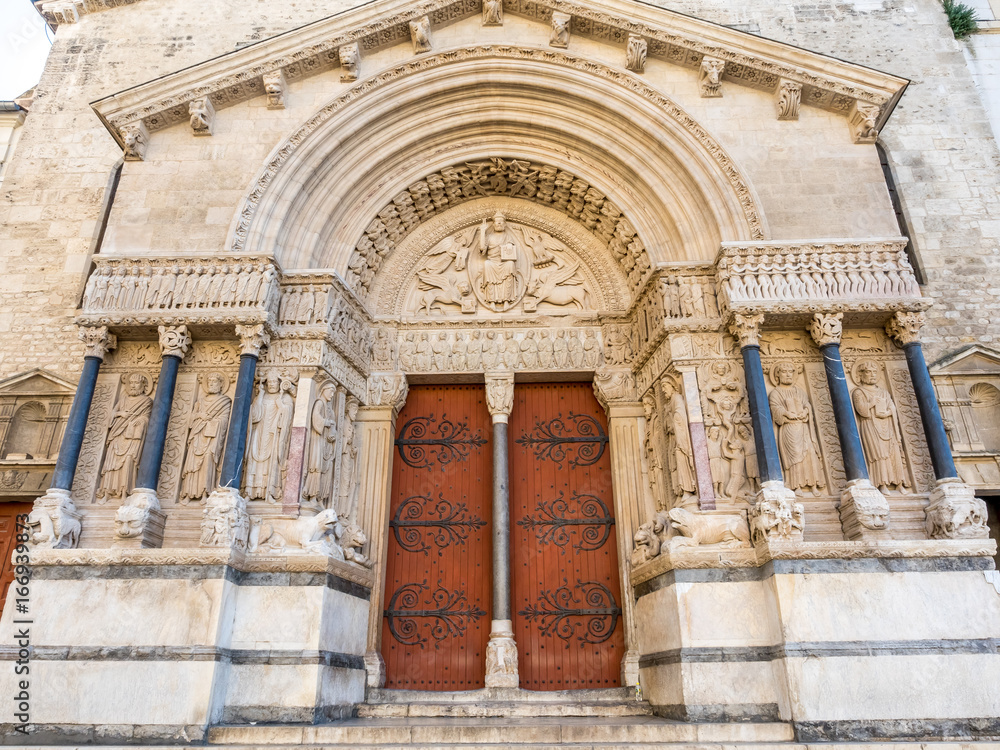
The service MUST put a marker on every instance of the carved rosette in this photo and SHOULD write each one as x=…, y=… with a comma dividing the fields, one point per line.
x=97, y=341
x=613, y=386
x=500, y=395
x=746, y=329
x=904, y=327
x=826, y=328
x=253, y=339
x=175, y=341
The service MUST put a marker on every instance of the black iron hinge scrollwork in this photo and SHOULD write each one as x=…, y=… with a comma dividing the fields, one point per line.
x=550, y=440
x=447, y=615
x=421, y=443
x=559, y=517
x=450, y=526
x=561, y=613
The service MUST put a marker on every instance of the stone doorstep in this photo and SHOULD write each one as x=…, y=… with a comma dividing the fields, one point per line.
x=499, y=710
x=483, y=695
x=586, y=746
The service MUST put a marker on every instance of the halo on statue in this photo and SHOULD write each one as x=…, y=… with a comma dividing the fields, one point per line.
x=777, y=367
x=203, y=380
x=865, y=363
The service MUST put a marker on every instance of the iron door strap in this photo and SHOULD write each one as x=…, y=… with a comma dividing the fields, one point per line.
x=551, y=439
x=450, y=526
x=561, y=613
x=557, y=518
x=447, y=615
x=421, y=444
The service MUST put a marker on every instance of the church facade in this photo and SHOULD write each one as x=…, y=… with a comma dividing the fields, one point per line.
x=491, y=359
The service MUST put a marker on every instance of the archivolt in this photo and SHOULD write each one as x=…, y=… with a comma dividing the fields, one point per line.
x=325, y=184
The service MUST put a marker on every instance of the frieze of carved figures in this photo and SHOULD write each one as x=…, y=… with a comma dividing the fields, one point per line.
x=618, y=346
x=124, y=439
x=795, y=425
x=387, y=389
x=731, y=449
x=383, y=353
x=515, y=178
x=862, y=276
x=878, y=424
x=497, y=266
x=789, y=99
x=477, y=351
x=350, y=449
x=635, y=53
x=560, y=33
x=350, y=62
x=147, y=290
x=201, y=114
x=710, y=76
x=206, y=438
x=420, y=35
x=276, y=88
x=266, y=459
x=303, y=304
x=321, y=454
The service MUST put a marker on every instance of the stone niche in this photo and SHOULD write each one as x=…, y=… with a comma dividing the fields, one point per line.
x=34, y=407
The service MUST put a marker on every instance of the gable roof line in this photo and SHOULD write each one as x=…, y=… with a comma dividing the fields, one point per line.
x=307, y=50
x=941, y=365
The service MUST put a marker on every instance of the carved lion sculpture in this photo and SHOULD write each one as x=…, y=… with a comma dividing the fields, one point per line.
x=698, y=529
x=53, y=528
x=647, y=544
x=129, y=520
x=963, y=518
x=352, y=540
x=312, y=534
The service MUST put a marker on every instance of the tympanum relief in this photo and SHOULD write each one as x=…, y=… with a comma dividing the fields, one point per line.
x=499, y=266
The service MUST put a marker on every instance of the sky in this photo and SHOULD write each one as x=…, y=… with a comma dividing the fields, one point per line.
x=24, y=44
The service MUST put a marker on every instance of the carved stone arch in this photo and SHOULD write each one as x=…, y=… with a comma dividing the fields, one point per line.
x=602, y=275
x=324, y=184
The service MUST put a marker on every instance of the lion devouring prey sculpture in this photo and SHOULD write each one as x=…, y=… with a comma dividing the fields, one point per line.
x=692, y=529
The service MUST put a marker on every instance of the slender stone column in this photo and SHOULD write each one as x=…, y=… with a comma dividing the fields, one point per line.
x=864, y=512
x=139, y=521
x=954, y=511
x=375, y=427
x=225, y=522
x=616, y=392
x=501, y=651
x=699, y=440
x=56, y=503
x=774, y=501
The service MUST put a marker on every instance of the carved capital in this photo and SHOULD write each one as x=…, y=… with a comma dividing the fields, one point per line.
x=174, y=341
x=789, y=99
x=135, y=138
x=904, y=327
x=826, y=328
x=775, y=516
x=559, y=35
x=710, y=76
x=98, y=341
x=614, y=387
x=388, y=389
x=500, y=394
x=420, y=35
x=253, y=338
x=501, y=656
x=201, y=116
x=275, y=87
x=635, y=53
x=746, y=329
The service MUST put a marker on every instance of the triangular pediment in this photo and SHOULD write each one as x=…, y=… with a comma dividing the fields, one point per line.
x=976, y=360
x=862, y=94
x=36, y=382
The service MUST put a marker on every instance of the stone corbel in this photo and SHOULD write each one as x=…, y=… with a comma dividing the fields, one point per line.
x=97, y=341
x=789, y=100
x=420, y=35
x=864, y=122
x=276, y=88
x=635, y=53
x=492, y=12
x=201, y=116
x=710, y=77
x=61, y=12
x=135, y=139
x=560, y=32
x=350, y=62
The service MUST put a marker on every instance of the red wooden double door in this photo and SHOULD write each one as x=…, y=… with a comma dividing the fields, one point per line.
x=565, y=592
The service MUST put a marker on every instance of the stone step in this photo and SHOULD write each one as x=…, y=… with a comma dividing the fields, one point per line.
x=520, y=732
x=498, y=710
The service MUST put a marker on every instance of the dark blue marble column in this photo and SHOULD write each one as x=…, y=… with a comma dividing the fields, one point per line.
x=151, y=458
x=98, y=342
x=905, y=329
x=252, y=338
x=746, y=329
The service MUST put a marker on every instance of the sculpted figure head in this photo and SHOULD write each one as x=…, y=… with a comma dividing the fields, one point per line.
x=867, y=372
x=272, y=383
x=499, y=221
x=784, y=373
x=214, y=383
x=136, y=384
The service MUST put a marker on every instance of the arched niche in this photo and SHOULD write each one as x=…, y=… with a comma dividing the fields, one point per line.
x=323, y=186
x=24, y=437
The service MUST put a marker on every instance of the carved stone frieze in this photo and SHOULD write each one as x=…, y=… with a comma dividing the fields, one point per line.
x=183, y=290
x=797, y=278
x=674, y=300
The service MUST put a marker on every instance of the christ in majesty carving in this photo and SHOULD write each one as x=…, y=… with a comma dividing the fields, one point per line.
x=502, y=248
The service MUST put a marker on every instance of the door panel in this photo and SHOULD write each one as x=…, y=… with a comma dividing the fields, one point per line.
x=8, y=537
x=566, y=594
x=438, y=577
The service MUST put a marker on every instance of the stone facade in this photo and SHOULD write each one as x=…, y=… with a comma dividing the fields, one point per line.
x=247, y=243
